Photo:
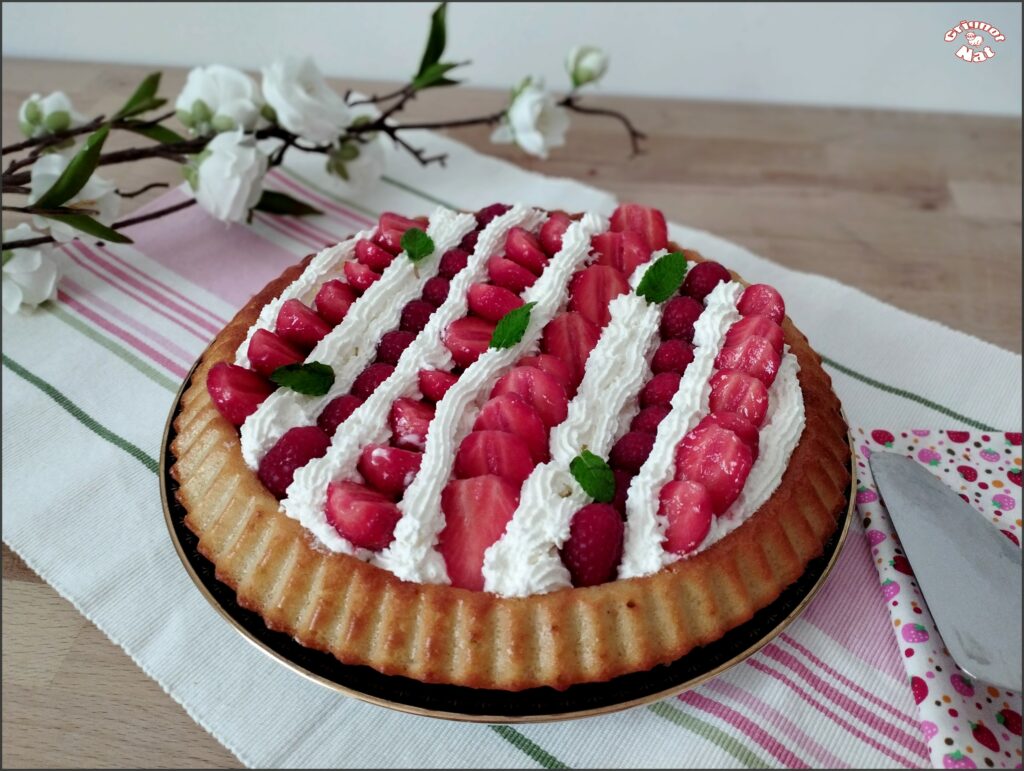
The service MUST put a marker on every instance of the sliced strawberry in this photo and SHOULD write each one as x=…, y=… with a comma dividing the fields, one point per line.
x=623, y=479
x=594, y=547
x=392, y=344
x=415, y=315
x=434, y=383
x=688, y=508
x=391, y=227
x=291, y=452
x=755, y=355
x=467, y=338
x=741, y=393
x=388, y=469
x=372, y=256
x=508, y=412
x=554, y=366
x=298, y=325
x=452, y=262
x=369, y=379
x=476, y=513
x=523, y=248
x=648, y=222
x=486, y=215
x=538, y=389
x=491, y=302
x=493, y=452
x=672, y=356
x=678, y=318
x=435, y=291
x=762, y=300
x=660, y=389
x=736, y=423
x=622, y=251
x=333, y=301
x=364, y=516
x=716, y=458
x=702, y=278
x=268, y=351
x=571, y=338
x=754, y=326
x=236, y=391
x=359, y=276
x=591, y=290
x=552, y=231
x=648, y=419
x=508, y=274
x=336, y=412
x=631, y=451
x=410, y=421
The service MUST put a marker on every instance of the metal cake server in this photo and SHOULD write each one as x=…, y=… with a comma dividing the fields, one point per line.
x=969, y=572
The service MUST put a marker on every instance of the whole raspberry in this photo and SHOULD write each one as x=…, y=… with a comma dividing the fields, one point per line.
x=702, y=278
x=632, y=449
x=452, y=262
x=678, y=318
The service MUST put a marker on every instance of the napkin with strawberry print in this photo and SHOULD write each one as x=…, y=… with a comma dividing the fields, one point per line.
x=966, y=723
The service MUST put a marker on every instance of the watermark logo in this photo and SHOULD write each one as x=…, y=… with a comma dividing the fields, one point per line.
x=974, y=49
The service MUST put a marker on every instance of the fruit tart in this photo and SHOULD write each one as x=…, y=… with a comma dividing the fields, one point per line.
x=510, y=449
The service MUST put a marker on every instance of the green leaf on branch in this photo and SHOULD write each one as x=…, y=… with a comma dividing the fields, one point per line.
x=434, y=76
x=282, y=203
x=143, y=99
x=156, y=132
x=594, y=476
x=435, y=40
x=77, y=173
x=663, y=278
x=87, y=224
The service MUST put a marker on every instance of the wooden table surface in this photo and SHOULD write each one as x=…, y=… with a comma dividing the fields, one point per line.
x=920, y=210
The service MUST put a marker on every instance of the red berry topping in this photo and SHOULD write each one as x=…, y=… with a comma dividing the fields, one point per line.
x=292, y=451
x=739, y=392
x=510, y=413
x=491, y=302
x=508, y=274
x=678, y=318
x=660, y=389
x=622, y=251
x=485, y=216
x=366, y=382
x=762, y=300
x=453, y=261
x=467, y=338
x=435, y=291
x=571, y=338
x=754, y=326
x=359, y=276
x=551, y=233
x=372, y=256
x=648, y=222
x=623, y=479
x=468, y=242
x=687, y=507
x=298, y=325
x=391, y=227
x=523, y=248
x=591, y=290
x=267, y=352
x=410, y=421
x=538, y=389
x=336, y=412
x=415, y=315
x=718, y=459
x=364, y=516
x=392, y=345
x=672, y=356
x=333, y=301
x=702, y=278
x=594, y=547
x=388, y=469
x=648, y=418
x=434, y=383
x=476, y=513
x=493, y=452
x=554, y=366
x=755, y=356
x=736, y=423
x=630, y=452
x=236, y=391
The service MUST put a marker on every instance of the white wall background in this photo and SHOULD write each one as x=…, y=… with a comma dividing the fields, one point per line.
x=888, y=55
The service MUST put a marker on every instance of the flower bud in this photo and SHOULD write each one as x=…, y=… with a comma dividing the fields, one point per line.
x=586, y=64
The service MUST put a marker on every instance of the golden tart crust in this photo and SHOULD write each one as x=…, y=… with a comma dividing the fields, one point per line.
x=439, y=634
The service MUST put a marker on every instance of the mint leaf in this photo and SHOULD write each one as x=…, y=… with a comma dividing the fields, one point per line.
x=76, y=174
x=512, y=327
x=282, y=203
x=594, y=476
x=663, y=278
x=417, y=244
x=435, y=40
x=311, y=378
x=143, y=99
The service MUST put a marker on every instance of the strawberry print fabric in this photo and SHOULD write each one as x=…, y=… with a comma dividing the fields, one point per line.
x=966, y=723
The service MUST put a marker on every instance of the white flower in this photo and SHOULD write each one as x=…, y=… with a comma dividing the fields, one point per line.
x=304, y=103
x=98, y=195
x=42, y=115
x=586, y=64
x=229, y=179
x=30, y=274
x=534, y=121
x=218, y=98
